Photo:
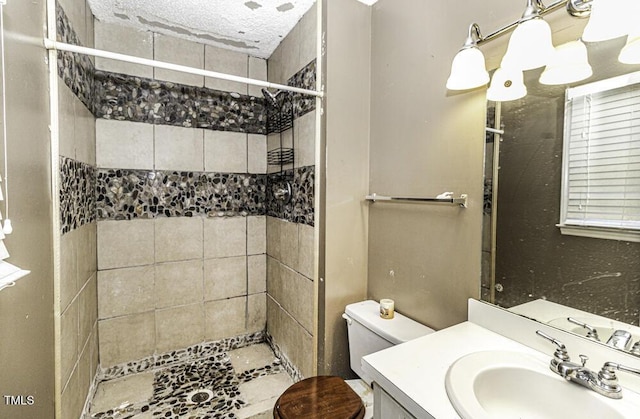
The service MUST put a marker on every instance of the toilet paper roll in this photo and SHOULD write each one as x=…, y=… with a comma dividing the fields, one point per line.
x=386, y=308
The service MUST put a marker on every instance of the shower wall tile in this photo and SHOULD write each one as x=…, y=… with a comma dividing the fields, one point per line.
x=225, y=318
x=178, y=283
x=130, y=194
x=116, y=343
x=75, y=70
x=225, y=152
x=66, y=121
x=69, y=337
x=124, y=144
x=178, y=51
x=123, y=40
x=273, y=237
x=85, y=372
x=84, y=134
x=256, y=235
x=178, y=148
x=257, y=274
x=289, y=244
x=72, y=400
x=178, y=238
x=257, y=71
x=257, y=312
x=290, y=337
x=77, y=196
x=179, y=327
x=293, y=292
x=305, y=140
x=306, y=251
x=87, y=257
x=225, y=278
x=125, y=243
x=88, y=311
x=68, y=268
x=228, y=62
x=301, y=207
x=308, y=36
x=225, y=237
x=124, y=97
x=257, y=154
x=75, y=13
x=125, y=291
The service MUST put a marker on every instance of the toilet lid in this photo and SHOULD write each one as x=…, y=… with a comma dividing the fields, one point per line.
x=320, y=397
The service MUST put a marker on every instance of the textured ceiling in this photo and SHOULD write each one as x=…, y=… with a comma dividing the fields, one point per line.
x=254, y=27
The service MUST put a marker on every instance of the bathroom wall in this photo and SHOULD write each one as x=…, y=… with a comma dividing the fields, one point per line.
x=424, y=141
x=27, y=363
x=290, y=227
x=181, y=201
x=77, y=285
x=345, y=154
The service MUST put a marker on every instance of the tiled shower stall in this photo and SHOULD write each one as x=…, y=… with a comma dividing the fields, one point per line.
x=164, y=181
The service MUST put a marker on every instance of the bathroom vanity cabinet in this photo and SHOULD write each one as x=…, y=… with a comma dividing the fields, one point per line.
x=385, y=407
x=409, y=379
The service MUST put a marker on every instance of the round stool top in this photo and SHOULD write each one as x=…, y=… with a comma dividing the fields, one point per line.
x=320, y=397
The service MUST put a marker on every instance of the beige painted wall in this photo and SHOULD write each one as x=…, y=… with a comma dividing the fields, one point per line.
x=424, y=141
x=26, y=310
x=347, y=112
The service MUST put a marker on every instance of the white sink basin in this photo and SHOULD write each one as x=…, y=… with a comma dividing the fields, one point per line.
x=504, y=384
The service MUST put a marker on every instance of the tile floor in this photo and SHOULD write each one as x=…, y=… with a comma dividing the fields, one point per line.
x=243, y=383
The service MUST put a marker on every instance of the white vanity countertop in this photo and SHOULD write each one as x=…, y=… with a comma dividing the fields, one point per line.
x=414, y=373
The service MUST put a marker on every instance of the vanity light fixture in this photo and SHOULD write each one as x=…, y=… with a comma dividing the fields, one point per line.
x=468, y=69
x=609, y=19
x=530, y=44
x=507, y=84
x=569, y=64
x=630, y=54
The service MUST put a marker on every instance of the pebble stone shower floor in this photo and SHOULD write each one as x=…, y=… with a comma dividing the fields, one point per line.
x=242, y=383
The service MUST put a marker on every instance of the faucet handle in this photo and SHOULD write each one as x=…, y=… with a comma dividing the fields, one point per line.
x=592, y=333
x=583, y=359
x=608, y=379
x=561, y=354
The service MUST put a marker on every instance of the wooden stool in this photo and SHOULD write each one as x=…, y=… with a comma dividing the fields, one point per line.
x=324, y=397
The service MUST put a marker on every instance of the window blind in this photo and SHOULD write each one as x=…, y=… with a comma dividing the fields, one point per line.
x=601, y=162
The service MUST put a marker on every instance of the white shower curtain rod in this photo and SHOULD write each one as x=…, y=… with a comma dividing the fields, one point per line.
x=61, y=46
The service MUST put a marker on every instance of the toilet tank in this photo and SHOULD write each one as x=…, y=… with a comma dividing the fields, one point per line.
x=369, y=333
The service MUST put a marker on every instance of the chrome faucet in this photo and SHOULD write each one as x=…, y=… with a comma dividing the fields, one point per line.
x=604, y=382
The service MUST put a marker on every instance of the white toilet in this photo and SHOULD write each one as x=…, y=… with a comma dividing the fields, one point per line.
x=368, y=333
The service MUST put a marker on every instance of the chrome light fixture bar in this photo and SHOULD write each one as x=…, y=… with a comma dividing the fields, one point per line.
x=576, y=8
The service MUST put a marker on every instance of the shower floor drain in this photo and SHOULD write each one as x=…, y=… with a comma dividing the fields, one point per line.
x=199, y=396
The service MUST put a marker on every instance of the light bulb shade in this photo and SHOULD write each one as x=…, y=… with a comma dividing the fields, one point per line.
x=530, y=45
x=468, y=70
x=569, y=63
x=609, y=19
x=630, y=54
x=506, y=84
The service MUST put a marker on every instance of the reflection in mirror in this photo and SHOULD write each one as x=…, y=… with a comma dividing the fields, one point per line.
x=526, y=259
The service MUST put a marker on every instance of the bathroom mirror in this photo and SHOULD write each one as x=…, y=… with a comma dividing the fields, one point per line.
x=528, y=265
